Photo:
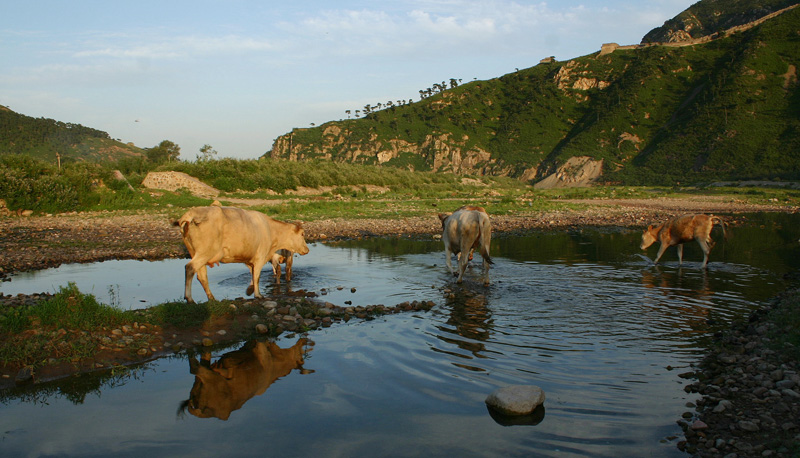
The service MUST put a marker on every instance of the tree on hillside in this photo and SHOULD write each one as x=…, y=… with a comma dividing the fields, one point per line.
x=166, y=151
x=207, y=153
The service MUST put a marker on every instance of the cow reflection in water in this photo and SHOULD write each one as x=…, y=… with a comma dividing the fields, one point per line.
x=224, y=386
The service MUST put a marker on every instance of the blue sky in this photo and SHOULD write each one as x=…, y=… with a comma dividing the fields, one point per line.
x=237, y=74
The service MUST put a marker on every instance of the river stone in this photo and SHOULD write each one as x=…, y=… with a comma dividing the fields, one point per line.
x=516, y=399
x=748, y=426
x=25, y=375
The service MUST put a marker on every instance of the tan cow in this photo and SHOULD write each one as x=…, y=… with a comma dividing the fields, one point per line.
x=463, y=231
x=228, y=234
x=282, y=257
x=680, y=230
x=226, y=385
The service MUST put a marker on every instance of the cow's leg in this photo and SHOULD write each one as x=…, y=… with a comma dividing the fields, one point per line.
x=251, y=286
x=680, y=253
x=276, y=266
x=706, y=250
x=464, y=259
x=447, y=259
x=187, y=292
x=289, y=261
x=256, y=274
x=661, y=251
x=462, y=266
x=196, y=266
x=202, y=275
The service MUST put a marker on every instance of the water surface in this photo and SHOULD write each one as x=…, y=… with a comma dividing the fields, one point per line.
x=580, y=314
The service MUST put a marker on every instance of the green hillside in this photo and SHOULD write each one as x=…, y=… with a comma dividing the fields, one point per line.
x=43, y=138
x=725, y=109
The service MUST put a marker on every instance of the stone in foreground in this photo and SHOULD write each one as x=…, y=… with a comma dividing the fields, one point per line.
x=516, y=399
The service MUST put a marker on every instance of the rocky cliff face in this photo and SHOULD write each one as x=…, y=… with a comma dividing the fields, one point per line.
x=439, y=152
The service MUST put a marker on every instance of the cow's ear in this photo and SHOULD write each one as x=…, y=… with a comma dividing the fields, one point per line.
x=650, y=227
x=443, y=216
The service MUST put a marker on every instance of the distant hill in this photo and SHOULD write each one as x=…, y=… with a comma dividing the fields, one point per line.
x=43, y=138
x=727, y=109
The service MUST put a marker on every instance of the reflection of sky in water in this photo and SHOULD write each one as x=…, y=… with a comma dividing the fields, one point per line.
x=604, y=339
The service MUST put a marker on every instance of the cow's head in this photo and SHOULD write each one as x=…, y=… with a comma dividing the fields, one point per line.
x=299, y=239
x=211, y=395
x=443, y=217
x=649, y=236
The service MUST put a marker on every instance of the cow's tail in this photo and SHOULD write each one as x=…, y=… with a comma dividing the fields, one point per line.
x=721, y=223
x=183, y=223
x=186, y=220
x=486, y=238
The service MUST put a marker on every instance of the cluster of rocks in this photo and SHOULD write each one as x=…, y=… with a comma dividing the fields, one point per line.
x=22, y=300
x=140, y=338
x=311, y=315
x=750, y=387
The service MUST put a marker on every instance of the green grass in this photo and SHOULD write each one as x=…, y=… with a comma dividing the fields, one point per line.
x=70, y=326
x=68, y=308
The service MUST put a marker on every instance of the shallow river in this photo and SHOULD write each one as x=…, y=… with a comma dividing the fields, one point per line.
x=580, y=314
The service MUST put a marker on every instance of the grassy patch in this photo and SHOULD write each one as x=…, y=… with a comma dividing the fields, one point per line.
x=55, y=329
x=69, y=308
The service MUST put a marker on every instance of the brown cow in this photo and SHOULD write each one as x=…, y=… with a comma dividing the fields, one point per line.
x=463, y=231
x=680, y=230
x=225, y=386
x=228, y=234
x=282, y=257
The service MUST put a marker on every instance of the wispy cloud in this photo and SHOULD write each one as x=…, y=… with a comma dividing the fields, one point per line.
x=179, y=46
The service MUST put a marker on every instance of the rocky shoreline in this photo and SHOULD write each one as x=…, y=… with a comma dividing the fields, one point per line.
x=749, y=406
x=750, y=387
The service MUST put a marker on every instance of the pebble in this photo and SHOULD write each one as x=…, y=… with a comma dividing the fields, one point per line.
x=699, y=425
x=722, y=406
x=748, y=426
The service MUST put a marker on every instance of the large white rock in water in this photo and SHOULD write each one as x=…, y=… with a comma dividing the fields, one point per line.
x=516, y=399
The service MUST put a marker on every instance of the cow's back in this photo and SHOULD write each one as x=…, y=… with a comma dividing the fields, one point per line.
x=463, y=226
